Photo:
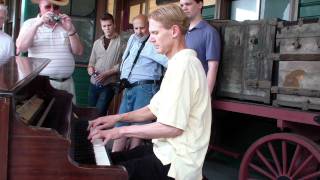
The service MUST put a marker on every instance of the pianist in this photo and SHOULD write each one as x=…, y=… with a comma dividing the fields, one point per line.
x=180, y=135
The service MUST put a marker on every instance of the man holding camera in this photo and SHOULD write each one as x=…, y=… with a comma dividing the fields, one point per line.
x=52, y=35
x=141, y=69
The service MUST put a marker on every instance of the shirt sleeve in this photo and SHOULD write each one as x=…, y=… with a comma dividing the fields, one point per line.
x=26, y=25
x=175, y=97
x=93, y=58
x=213, y=45
x=122, y=50
x=11, y=50
x=159, y=58
x=154, y=102
x=127, y=49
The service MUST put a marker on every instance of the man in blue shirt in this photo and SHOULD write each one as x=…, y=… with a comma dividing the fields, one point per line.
x=203, y=38
x=143, y=75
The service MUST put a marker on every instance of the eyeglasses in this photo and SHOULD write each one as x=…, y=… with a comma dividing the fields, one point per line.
x=54, y=7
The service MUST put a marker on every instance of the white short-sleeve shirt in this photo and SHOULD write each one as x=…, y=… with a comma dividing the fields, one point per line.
x=183, y=101
x=54, y=44
x=6, y=46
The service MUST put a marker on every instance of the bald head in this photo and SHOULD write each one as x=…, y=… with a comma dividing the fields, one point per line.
x=142, y=18
x=140, y=25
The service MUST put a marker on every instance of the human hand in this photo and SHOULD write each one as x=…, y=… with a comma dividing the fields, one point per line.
x=103, y=122
x=66, y=23
x=101, y=77
x=90, y=70
x=43, y=19
x=105, y=135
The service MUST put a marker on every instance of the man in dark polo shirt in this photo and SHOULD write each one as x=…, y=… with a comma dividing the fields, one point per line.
x=203, y=38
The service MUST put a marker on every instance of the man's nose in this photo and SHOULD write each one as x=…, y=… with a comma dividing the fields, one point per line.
x=183, y=8
x=151, y=39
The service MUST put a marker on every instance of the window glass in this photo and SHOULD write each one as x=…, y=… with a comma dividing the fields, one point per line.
x=309, y=8
x=308, y=1
x=245, y=10
x=66, y=9
x=85, y=28
x=82, y=7
x=161, y=2
x=208, y=12
x=83, y=16
x=275, y=9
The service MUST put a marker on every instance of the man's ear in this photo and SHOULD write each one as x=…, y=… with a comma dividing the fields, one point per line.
x=175, y=31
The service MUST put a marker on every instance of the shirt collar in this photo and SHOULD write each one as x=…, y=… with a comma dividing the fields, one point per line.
x=115, y=35
x=141, y=39
x=200, y=25
x=184, y=53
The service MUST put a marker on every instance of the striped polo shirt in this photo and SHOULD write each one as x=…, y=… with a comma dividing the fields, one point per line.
x=54, y=44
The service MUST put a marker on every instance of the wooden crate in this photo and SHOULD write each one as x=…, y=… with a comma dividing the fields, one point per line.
x=298, y=78
x=246, y=67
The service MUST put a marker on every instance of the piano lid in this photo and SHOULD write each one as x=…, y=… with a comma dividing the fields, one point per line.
x=18, y=71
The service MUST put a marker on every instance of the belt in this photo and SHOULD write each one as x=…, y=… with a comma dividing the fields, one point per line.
x=59, y=79
x=144, y=82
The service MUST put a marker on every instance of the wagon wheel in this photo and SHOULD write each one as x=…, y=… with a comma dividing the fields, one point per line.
x=281, y=156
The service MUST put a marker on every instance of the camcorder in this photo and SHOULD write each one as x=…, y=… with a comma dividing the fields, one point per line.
x=120, y=85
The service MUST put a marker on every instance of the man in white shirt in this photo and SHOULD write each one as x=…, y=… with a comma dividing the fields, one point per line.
x=6, y=45
x=52, y=35
x=182, y=109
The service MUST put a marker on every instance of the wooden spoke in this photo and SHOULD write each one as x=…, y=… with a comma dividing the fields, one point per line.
x=294, y=159
x=266, y=162
x=300, y=158
x=275, y=158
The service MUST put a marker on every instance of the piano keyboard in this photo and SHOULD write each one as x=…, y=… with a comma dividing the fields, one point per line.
x=100, y=153
x=82, y=150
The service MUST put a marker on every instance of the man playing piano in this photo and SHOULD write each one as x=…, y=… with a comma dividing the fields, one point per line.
x=181, y=108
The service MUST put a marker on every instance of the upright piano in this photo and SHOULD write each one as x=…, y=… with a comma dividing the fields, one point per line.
x=37, y=128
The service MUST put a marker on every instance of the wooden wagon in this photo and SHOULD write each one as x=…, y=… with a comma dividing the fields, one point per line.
x=271, y=69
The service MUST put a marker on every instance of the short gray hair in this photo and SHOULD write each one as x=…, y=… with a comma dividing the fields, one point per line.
x=4, y=9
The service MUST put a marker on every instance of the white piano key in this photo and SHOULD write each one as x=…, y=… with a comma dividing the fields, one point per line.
x=100, y=153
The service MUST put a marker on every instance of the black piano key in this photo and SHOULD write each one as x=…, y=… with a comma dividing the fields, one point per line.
x=81, y=148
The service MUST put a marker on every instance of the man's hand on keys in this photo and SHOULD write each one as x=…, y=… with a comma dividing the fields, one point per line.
x=104, y=135
x=104, y=122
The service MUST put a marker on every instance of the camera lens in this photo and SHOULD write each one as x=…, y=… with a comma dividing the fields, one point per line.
x=55, y=18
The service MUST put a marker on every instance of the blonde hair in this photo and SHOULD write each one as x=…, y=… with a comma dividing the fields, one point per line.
x=170, y=15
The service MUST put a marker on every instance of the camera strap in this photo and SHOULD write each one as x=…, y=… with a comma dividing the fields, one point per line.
x=137, y=56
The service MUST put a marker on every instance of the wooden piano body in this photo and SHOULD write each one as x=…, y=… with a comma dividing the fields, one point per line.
x=31, y=152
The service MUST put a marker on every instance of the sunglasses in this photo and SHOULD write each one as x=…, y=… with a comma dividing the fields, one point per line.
x=49, y=6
